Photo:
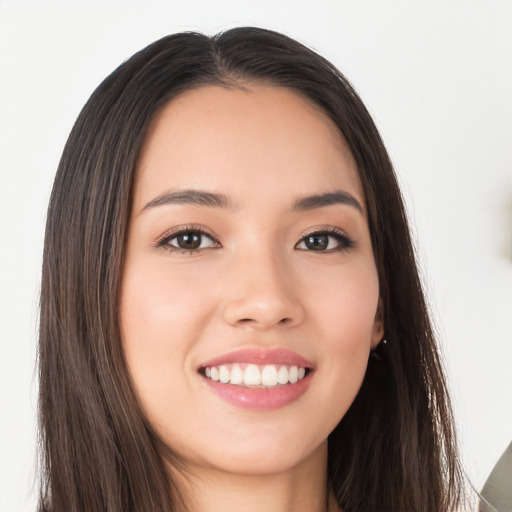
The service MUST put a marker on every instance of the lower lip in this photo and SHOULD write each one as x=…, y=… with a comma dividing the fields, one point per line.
x=260, y=398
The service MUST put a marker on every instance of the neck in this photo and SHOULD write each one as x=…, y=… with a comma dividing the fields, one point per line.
x=302, y=488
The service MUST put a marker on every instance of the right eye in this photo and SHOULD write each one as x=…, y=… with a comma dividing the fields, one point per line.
x=188, y=241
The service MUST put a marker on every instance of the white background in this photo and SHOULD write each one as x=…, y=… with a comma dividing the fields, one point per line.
x=437, y=77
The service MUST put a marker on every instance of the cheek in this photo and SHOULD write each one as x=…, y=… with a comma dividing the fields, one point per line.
x=343, y=306
x=161, y=319
x=158, y=308
x=344, y=303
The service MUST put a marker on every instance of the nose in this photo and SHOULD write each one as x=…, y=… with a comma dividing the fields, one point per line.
x=263, y=295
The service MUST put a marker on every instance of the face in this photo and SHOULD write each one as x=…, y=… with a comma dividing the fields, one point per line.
x=250, y=294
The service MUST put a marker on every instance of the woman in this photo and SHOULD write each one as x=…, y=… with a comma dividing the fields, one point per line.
x=231, y=314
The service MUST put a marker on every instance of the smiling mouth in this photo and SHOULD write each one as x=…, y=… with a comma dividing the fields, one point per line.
x=255, y=376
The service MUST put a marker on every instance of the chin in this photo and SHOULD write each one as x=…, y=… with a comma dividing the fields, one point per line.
x=263, y=464
x=260, y=455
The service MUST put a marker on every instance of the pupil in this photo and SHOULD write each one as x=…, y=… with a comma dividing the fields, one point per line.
x=189, y=241
x=317, y=242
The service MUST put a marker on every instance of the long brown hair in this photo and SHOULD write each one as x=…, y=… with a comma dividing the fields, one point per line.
x=395, y=448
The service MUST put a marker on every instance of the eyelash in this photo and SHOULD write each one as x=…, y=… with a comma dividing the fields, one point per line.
x=164, y=242
x=343, y=241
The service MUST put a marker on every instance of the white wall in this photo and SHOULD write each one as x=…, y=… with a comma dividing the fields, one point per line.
x=437, y=76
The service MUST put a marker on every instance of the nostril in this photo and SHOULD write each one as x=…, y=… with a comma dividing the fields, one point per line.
x=283, y=321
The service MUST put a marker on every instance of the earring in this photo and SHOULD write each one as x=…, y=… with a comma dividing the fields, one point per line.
x=373, y=351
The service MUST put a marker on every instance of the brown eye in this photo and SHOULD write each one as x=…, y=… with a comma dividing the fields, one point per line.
x=191, y=240
x=325, y=241
x=317, y=242
x=188, y=240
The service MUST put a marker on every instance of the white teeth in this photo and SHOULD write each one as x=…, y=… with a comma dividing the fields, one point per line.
x=269, y=375
x=237, y=375
x=214, y=373
x=255, y=376
x=252, y=375
x=282, y=376
x=224, y=375
x=294, y=374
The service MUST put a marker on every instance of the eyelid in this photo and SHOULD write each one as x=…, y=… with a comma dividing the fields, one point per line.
x=345, y=241
x=162, y=241
x=323, y=229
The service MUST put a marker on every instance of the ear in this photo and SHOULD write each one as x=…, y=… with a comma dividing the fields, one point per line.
x=378, y=325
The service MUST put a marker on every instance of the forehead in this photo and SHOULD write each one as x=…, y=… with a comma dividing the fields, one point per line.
x=259, y=136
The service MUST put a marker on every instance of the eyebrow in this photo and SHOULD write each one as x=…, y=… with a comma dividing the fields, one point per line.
x=216, y=200
x=328, y=199
x=188, y=196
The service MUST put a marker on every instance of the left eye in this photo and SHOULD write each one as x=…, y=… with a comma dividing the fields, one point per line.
x=324, y=241
x=188, y=241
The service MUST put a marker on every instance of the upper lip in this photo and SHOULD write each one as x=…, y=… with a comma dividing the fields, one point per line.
x=261, y=357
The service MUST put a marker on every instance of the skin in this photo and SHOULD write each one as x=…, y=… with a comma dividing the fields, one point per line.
x=253, y=284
